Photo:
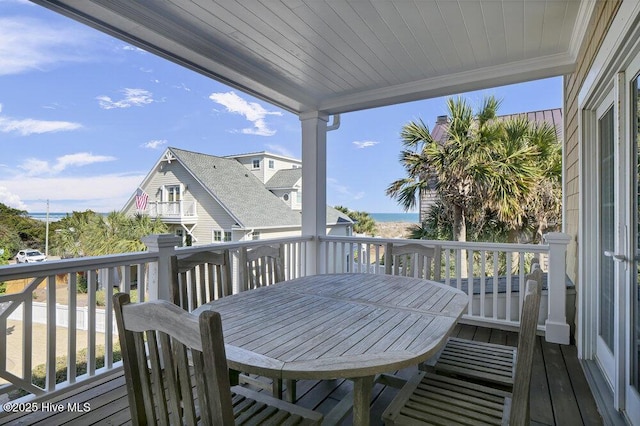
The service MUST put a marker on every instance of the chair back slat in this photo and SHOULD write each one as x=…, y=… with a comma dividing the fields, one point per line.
x=200, y=278
x=413, y=260
x=160, y=382
x=264, y=265
x=524, y=360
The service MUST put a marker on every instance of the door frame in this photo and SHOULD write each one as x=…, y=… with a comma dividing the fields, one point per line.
x=608, y=73
x=590, y=231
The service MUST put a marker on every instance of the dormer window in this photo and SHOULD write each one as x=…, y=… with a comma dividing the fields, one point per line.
x=272, y=164
x=255, y=163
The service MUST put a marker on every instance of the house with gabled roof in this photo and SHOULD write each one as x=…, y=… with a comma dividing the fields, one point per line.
x=207, y=199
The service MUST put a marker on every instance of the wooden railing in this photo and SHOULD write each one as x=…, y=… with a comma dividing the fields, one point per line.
x=172, y=209
x=48, y=315
x=491, y=274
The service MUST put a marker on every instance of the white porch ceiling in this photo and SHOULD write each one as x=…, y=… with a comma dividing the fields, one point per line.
x=338, y=56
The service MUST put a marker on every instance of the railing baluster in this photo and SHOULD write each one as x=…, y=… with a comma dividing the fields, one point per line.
x=495, y=284
x=483, y=284
x=51, y=334
x=509, y=273
x=92, y=279
x=108, y=319
x=72, y=330
x=27, y=342
x=521, y=283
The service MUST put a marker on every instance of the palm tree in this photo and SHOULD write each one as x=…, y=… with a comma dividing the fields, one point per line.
x=457, y=163
x=364, y=223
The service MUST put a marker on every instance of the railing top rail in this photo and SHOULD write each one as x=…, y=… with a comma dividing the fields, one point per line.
x=239, y=244
x=533, y=248
x=53, y=267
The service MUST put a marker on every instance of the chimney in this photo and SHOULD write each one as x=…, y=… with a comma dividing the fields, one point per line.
x=442, y=119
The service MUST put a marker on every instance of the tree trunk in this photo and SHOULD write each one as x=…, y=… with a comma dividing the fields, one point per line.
x=460, y=234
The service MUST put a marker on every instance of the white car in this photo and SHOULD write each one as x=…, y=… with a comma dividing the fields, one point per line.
x=30, y=256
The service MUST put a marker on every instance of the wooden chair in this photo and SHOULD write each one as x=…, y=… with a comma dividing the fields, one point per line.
x=159, y=340
x=200, y=278
x=263, y=265
x=486, y=363
x=430, y=398
x=413, y=260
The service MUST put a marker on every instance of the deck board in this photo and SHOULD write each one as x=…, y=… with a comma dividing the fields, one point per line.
x=559, y=393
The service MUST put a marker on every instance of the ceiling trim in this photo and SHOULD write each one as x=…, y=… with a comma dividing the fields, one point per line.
x=499, y=75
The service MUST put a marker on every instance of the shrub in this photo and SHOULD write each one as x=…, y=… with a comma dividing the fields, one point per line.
x=82, y=283
x=101, y=297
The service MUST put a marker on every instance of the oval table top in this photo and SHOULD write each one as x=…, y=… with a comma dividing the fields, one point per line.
x=337, y=325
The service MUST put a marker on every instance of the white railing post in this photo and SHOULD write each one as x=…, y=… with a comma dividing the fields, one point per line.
x=164, y=245
x=557, y=329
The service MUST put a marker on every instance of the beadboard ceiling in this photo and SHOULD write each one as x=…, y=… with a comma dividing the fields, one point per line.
x=339, y=56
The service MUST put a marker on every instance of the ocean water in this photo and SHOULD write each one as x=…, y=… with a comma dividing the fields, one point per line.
x=395, y=217
x=53, y=217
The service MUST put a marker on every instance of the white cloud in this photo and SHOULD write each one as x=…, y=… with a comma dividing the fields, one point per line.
x=279, y=149
x=11, y=200
x=28, y=44
x=132, y=97
x=101, y=193
x=343, y=191
x=154, y=144
x=365, y=144
x=36, y=167
x=251, y=111
x=133, y=49
x=181, y=86
x=29, y=126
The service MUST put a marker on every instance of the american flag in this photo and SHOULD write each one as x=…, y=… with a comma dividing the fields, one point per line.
x=141, y=200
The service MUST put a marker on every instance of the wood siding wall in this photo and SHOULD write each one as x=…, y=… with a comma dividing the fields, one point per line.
x=602, y=17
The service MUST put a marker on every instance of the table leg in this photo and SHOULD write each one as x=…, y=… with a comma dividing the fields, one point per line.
x=361, y=398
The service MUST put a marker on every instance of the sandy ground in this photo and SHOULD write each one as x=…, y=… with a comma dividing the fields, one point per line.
x=393, y=229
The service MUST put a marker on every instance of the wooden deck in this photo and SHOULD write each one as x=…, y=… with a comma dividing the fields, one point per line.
x=559, y=391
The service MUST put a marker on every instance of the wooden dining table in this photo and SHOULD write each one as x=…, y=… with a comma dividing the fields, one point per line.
x=332, y=326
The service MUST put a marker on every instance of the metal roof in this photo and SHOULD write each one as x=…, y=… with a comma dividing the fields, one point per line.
x=339, y=56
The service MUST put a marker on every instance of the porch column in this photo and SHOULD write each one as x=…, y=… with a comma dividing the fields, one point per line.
x=314, y=184
x=158, y=276
x=557, y=329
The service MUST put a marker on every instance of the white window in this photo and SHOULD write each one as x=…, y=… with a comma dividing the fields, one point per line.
x=272, y=164
x=220, y=236
x=256, y=163
x=255, y=235
x=299, y=197
x=172, y=193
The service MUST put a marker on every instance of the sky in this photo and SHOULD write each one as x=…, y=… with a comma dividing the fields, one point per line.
x=84, y=117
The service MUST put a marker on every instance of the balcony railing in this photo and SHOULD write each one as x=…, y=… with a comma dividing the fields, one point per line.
x=65, y=322
x=175, y=210
x=493, y=282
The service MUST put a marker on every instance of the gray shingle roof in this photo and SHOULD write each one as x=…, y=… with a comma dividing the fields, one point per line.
x=252, y=204
x=284, y=178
